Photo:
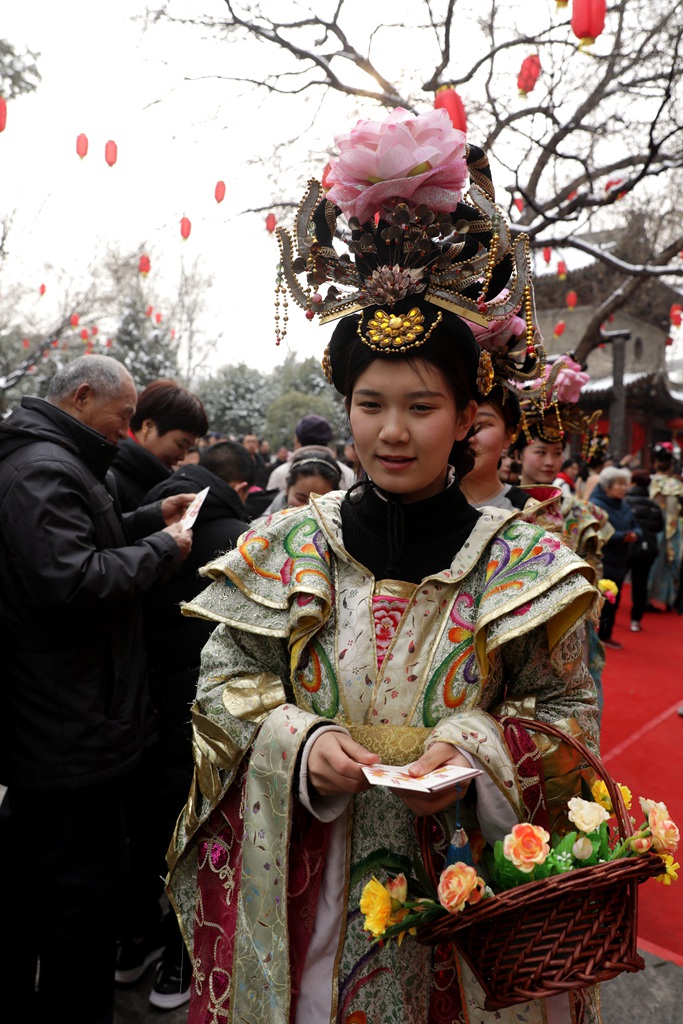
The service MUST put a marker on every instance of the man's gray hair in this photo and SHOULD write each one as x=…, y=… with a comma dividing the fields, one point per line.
x=104, y=375
x=610, y=474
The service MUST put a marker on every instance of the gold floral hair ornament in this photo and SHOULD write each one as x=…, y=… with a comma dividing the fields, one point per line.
x=550, y=409
x=485, y=374
x=414, y=205
x=389, y=331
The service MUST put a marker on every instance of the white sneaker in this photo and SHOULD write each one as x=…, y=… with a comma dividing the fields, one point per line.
x=636, y=627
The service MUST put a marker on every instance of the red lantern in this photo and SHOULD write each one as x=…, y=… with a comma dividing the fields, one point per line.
x=561, y=270
x=42, y=289
x=82, y=145
x=572, y=195
x=518, y=202
x=528, y=74
x=94, y=331
x=448, y=99
x=3, y=113
x=676, y=314
x=669, y=341
x=26, y=343
x=547, y=254
x=149, y=310
x=220, y=191
x=84, y=334
x=185, y=228
x=157, y=317
x=144, y=265
x=74, y=319
x=572, y=299
x=107, y=343
x=559, y=329
x=588, y=21
x=111, y=153
x=270, y=223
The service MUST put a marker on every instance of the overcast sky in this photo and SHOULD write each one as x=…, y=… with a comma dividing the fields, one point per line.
x=101, y=75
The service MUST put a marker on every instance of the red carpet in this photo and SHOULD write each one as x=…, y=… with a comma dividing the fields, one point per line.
x=642, y=741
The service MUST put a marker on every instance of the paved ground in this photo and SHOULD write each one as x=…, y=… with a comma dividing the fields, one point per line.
x=652, y=996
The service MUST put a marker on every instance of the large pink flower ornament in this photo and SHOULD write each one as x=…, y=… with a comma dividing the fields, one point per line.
x=415, y=157
x=570, y=380
x=497, y=333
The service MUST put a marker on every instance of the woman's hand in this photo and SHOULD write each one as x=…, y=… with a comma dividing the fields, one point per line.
x=431, y=803
x=334, y=763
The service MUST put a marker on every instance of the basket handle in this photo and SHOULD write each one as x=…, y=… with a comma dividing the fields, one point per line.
x=619, y=808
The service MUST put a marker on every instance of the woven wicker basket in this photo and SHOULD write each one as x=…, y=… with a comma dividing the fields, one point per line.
x=563, y=933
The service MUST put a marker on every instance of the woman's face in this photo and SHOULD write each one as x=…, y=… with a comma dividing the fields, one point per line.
x=301, y=490
x=617, y=489
x=541, y=462
x=170, y=447
x=491, y=436
x=404, y=423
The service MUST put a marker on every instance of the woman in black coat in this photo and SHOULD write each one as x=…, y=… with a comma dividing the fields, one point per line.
x=609, y=494
x=651, y=521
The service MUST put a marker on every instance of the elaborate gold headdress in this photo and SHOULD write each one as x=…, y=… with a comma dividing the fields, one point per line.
x=416, y=239
x=550, y=409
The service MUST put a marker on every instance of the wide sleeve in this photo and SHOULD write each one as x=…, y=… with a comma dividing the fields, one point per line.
x=65, y=557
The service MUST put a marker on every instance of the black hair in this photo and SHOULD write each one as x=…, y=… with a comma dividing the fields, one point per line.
x=230, y=461
x=507, y=404
x=451, y=348
x=171, y=407
x=573, y=460
x=314, y=463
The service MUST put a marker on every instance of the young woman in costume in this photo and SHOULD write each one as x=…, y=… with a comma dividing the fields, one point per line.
x=393, y=622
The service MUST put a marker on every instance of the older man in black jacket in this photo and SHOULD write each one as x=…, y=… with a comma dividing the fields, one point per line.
x=76, y=713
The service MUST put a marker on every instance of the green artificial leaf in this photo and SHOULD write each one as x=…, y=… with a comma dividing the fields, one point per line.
x=505, y=874
x=422, y=885
x=605, y=852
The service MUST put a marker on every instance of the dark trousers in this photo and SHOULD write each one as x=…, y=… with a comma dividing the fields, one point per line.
x=609, y=611
x=640, y=571
x=63, y=864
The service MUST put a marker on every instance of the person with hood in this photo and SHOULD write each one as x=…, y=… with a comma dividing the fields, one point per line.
x=609, y=494
x=174, y=647
x=76, y=714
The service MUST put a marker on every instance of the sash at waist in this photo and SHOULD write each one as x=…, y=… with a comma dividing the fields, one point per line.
x=395, y=744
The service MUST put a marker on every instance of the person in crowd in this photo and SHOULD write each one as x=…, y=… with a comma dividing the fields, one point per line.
x=568, y=475
x=76, y=713
x=510, y=470
x=345, y=635
x=666, y=489
x=598, y=458
x=540, y=460
x=265, y=452
x=312, y=470
x=609, y=494
x=311, y=430
x=644, y=551
x=167, y=421
x=174, y=647
x=351, y=458
x=282, y=456
x=190, y=458
x=261, y=472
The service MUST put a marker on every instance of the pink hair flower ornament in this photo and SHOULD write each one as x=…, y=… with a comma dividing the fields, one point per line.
x=419, y=158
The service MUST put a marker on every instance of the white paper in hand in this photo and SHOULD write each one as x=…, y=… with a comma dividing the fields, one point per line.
x=187, y=522
x=398, y=778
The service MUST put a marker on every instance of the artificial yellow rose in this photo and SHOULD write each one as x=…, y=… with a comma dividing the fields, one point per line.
x=586, y=815
x=670, y=874
x=375, y=905
x=601, y=795
x=526, y=846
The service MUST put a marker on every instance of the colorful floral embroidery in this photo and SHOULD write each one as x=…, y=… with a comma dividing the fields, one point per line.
x=387, y=613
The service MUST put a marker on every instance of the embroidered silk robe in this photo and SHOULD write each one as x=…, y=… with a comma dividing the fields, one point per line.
x=295, y=648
